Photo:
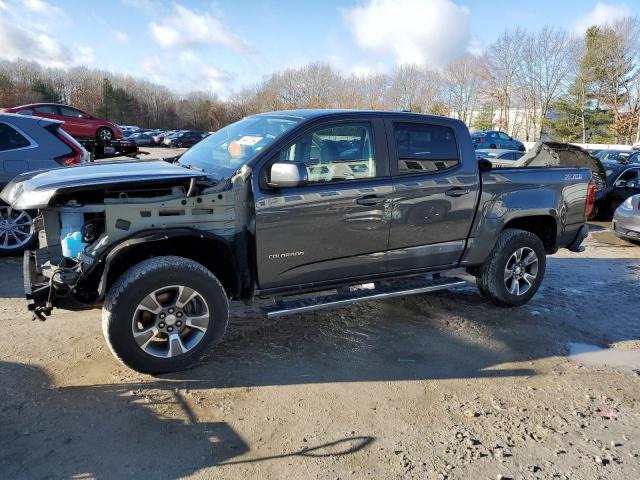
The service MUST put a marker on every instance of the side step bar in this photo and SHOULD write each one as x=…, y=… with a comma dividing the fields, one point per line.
x=360, y=294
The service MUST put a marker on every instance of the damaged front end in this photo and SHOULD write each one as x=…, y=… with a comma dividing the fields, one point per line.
x=90, y=215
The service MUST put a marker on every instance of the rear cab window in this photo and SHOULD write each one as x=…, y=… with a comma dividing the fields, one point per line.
x=424, y=148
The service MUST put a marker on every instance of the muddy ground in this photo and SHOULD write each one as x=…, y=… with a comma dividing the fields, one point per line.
x=432, y=386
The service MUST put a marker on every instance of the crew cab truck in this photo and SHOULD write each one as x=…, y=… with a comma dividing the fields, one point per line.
x=356, y=204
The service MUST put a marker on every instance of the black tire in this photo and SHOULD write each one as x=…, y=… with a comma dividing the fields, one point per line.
x=105, y=134
x=493, y=145
x=491, y=279
x=522, y=148
x=124, y=299
x=179, y=144
x=16, y=245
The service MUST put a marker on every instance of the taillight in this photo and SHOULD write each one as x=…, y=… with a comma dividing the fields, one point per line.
x=481, y=140
x=591, y=198
x=76, y=154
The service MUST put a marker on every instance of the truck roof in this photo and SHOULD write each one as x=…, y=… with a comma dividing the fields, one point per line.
x=308, y=114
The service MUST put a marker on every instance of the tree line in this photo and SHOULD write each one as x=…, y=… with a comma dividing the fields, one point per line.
x=543, y=84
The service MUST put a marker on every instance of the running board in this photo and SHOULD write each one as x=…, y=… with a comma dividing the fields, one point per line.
x=362, y=294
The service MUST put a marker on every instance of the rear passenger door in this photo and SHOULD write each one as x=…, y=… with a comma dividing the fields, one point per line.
x=435, y=194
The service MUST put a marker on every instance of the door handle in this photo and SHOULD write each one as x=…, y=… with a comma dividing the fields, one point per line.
x=369, y=200
x=456, y=192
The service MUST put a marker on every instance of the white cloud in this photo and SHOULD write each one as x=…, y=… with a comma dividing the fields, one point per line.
x=190, y=73
x=41, y=7
x=188, y=28
x=412, y=31
x=3, y=6
x=121, y=37
x=601, y=14
x=39, y=46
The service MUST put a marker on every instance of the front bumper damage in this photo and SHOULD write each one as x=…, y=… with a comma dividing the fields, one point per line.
x=38, y=290
x=45, y=284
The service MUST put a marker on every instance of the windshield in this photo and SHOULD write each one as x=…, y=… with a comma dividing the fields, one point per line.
x=224, y=152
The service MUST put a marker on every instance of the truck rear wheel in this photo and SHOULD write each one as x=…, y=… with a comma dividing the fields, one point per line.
x=514, y=270
x=164, y=314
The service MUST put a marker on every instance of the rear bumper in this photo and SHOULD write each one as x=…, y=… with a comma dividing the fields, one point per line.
x=629, y=230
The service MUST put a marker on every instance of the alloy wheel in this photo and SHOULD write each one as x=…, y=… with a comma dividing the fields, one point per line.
x=15, y=228
x=521, y=271
x=170, y=321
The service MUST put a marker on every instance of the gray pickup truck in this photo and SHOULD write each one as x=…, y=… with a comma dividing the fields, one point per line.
x=311, y=208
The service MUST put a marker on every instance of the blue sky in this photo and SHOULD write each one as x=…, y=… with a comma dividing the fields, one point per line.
x=223, y=45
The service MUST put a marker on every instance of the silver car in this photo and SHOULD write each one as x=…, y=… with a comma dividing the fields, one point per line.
x=29, y=143
x=626, y=219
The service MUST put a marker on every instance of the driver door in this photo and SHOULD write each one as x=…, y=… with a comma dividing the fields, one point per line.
x=336, y=226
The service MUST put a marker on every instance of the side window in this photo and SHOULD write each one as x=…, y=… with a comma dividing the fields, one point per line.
x=70, y=112
x=425, y=148
x=11, y=139
x=48, y=109
x=503, y=136
x=335, y=153
x=630, y=175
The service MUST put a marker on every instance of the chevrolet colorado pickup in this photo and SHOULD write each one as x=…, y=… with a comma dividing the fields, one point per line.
x=312, y=208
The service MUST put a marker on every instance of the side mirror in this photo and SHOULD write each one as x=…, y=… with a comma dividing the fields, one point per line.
x=621, y=183
x=287, y=174
x=632, y=184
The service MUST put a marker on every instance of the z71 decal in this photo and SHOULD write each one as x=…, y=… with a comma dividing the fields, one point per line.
x=573, y=176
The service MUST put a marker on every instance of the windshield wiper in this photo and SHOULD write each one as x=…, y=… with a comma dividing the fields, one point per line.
x=192, y=167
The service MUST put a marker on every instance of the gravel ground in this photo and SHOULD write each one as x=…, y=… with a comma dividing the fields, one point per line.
x=431, y=386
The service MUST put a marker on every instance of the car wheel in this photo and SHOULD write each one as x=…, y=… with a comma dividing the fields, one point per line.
x=514, y=270
x=104, y=134
x=522, y=148
x=164, y=314
x=15, y=231
x=179, y=144
x=493, y=145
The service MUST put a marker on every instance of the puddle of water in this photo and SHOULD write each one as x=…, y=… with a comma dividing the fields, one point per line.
x=594, y=356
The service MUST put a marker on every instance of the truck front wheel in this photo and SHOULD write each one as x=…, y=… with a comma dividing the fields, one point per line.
x=514, y=270
x=164, y=314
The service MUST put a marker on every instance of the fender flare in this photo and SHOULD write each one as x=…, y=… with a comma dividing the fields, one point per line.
x=111, y=256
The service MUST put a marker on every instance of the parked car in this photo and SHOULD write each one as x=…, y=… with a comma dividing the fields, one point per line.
x=26, y=144
x=623, y=180
x=159, y=137
x=626, y=220
x=141, y=139
x=614, y=155
x=183, y=139
x=288, y=203
x=77, y=123
x=495, y=139
x=499, y=154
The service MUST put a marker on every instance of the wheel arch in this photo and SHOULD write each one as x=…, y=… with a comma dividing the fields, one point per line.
x=212, y=251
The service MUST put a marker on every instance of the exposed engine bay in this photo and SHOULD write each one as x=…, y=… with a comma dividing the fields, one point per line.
x=81, y=228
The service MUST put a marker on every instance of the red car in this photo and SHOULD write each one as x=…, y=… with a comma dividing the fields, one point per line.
x=77, y=123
